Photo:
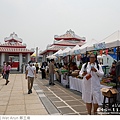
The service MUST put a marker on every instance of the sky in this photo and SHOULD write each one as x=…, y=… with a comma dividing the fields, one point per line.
x=37, y=21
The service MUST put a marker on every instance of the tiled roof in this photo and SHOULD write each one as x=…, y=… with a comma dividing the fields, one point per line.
x=16, y=44
x=69, y=43
x=69, y=34
x=14, y=50
x=62, y=44
x=54, y=48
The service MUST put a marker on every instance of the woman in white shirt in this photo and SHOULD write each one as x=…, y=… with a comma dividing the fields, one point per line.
x=91, y=73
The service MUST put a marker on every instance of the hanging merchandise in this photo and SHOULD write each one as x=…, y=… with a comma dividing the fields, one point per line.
x=101, y=51
x=106, y=52
x=114, y=50
x=95, y=52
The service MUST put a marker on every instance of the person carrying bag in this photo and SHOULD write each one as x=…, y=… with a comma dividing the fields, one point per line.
x=7, y=69
x=30, y=74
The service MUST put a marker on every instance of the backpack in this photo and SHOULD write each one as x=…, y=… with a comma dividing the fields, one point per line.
x=87, y=64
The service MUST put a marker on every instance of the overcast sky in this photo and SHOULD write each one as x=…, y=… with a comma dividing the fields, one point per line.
x=37, y=21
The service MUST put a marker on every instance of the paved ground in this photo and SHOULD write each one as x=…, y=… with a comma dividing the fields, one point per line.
x=14, y=99
x=64, y=100
x=45, y=99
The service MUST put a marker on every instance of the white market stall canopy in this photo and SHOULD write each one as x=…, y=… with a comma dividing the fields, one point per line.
x=65, y=52
x=51, y=57
x=58, y=52
x=87, y=46
x=75, y=50
x=112, y=40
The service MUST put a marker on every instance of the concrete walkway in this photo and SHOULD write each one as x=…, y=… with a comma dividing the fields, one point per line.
x=14, y=99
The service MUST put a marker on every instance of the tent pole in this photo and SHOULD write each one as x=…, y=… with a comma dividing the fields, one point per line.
x=67, y=86
x=117, y=53
x=86, y=56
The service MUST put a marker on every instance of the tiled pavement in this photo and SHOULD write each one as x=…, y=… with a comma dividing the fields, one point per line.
x=14, y=99
x=66, y=101
x=45, y=99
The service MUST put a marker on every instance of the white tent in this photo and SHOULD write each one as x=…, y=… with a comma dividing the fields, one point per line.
x=87, y=46
x=112, y=40
x=65, y=52
x=51, y=57
x=58, y=52
x=75, y=50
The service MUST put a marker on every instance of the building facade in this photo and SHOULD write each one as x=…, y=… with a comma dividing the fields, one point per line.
x=69, y=39
x=14, y=51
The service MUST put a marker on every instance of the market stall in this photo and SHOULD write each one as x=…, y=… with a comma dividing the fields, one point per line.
x=76, y=84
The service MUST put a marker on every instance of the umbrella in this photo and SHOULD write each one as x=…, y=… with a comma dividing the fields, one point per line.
x=33, y=55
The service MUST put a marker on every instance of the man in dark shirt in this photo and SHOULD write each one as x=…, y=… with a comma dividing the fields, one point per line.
x=51, y=72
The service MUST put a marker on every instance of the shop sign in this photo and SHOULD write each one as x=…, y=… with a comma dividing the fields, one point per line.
x=99, y=46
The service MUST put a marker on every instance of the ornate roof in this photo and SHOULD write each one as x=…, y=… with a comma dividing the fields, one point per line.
x=69, y=35
x=70, y=39
x=13, y=37
x=13, y=44
x=68, y=43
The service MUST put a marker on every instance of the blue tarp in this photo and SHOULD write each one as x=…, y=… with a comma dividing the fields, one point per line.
x=114, y=56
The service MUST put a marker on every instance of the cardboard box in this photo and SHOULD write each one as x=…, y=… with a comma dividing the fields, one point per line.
x=109, y=92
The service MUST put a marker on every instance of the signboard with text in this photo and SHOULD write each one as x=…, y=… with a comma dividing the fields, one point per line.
x=99, y=46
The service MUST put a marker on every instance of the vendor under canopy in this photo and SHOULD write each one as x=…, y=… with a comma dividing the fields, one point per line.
x=73, y=66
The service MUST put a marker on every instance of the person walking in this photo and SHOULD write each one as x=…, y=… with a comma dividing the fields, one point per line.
x=7, y=69
x=51, y=72
x=30, y=74
x=37, y=67
x=91, y=73
x=4, y=65
x=43, y=67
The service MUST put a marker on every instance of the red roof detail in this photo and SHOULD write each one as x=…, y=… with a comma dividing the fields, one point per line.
x=68, y=43
x=54, y=48
x=17, y=44
x=15, y=50
x=13, y=37
x=70, y=35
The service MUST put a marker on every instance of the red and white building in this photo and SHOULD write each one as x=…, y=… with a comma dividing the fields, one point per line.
x=69, y=39
x=14, y=51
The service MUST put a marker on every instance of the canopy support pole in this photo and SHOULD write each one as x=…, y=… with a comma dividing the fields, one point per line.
x=68, y=86
x=118, y=55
